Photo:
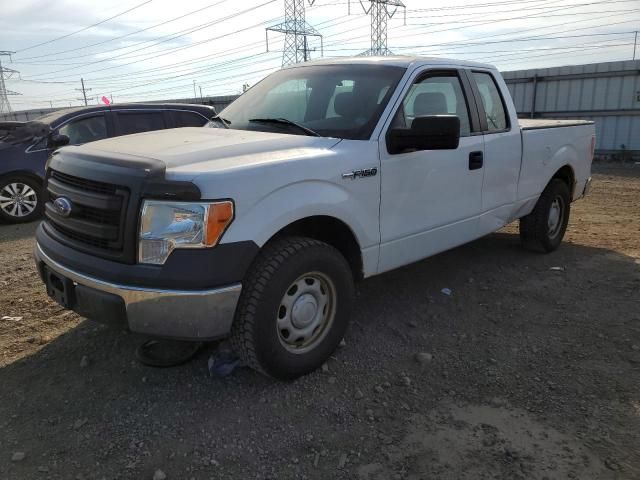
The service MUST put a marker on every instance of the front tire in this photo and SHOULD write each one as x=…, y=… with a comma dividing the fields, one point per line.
x=20, y=199
x=294, y=309
x=544, y=228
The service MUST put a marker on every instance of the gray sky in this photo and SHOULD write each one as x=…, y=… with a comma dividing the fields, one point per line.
x=221, y=43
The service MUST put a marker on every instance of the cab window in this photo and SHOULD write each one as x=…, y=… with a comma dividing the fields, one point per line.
x=440, y=94
x=85, y=129
x=137, y=122
x=188, y=119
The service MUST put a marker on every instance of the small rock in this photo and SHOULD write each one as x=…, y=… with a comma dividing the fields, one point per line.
x=378, y=389
x=325, y=368
x=406, y=381
x=493, y=361
x=79, y=423
x=316, y=459
x=43, y=469
x=332, y=380
x=343, y=460
x=84, y=361
x=446, y=291
x=358, y=395
x=611, y=464
x=423, y=358
x=18, y=456
x=386, y=385
x=342, y=343
x=159, y=475
x=635, y=347
x=412, y=323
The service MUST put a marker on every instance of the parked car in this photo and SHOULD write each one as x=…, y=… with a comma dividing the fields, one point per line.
x=322, y=174
x=25, y=146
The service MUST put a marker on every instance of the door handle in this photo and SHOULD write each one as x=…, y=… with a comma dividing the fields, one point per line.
x=476, y=160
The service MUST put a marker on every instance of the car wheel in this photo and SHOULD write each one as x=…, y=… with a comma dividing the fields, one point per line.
x=20, y=199
x=294, y=307
x=545, y=226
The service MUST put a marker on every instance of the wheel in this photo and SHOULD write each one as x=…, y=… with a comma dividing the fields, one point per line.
x=294, y=308
x=20, y=199
x=545, y=226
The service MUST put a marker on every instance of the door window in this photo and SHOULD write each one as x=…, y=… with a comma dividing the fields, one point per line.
x=188, y=119
x=84, y=130
x=435, y=95
x=136, y=122
x=491, y=101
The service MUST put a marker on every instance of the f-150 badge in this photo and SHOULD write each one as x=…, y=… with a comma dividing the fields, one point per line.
x=365, y=172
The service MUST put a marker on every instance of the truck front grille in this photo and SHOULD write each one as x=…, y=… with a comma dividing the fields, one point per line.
x=97, y=216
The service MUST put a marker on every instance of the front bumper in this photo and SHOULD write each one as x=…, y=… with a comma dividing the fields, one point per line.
x=182, y=314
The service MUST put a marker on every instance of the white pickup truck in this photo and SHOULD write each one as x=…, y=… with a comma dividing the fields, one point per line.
x=320, y=175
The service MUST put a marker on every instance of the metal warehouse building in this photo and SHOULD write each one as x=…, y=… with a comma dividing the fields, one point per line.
x=608, y=93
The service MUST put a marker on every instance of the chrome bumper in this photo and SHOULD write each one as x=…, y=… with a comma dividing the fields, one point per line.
x=195, y=315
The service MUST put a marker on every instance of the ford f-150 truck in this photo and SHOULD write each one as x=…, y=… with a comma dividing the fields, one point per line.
x=320, y=175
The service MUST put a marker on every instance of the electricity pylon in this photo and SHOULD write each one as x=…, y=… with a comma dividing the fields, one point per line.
x=380, y=15
x=296, y=30
x=5, y=74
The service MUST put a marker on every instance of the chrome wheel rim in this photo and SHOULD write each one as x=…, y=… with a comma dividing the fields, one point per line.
x=306, y=312
x=556, y=217
x=18, y=199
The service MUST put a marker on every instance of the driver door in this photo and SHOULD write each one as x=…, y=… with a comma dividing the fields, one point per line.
x=431, y=200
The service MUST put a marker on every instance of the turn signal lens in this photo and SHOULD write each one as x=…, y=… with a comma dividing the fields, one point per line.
x=219, y=216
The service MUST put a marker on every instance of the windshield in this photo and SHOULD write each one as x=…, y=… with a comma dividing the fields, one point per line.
x=343, y=101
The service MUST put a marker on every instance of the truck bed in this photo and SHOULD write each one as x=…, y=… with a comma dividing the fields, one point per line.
x=536, y=123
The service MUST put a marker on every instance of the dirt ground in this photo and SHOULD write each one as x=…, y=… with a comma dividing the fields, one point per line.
x=533, y=372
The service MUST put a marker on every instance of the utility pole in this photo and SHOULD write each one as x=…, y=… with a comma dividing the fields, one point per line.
x=296, y=30
x=6, y=74
x=84, y=92
x=195, y=96
x=635, y=43
x=200, y=87
x=380, y=15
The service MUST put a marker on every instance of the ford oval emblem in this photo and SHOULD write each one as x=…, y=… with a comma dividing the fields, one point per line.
x=63, y=206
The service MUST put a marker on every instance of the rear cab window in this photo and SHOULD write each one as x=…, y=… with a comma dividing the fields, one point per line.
x=494, y=109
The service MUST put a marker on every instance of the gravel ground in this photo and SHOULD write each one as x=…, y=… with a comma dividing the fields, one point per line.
x=530, y=369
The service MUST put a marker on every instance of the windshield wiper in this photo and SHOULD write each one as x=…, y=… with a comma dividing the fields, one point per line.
x=223, y=121
x=285, y=121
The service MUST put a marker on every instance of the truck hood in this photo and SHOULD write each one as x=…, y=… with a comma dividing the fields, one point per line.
x=191, y=151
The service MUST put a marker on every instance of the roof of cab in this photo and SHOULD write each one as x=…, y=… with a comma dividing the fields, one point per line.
x=405, y=61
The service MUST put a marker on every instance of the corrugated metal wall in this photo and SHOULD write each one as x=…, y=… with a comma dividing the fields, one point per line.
x=608, y=93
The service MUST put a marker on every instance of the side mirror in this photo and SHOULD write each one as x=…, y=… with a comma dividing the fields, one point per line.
x=433, y=132
x=58, y=140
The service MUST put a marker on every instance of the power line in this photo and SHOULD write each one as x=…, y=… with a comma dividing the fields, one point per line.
x=120, y=37
x=85, y=28
x=168, y=51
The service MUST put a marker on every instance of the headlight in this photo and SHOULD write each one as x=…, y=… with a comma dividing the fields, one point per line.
x=166, y=226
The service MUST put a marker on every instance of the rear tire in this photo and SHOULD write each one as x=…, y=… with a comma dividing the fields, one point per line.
x=294, y=308
x=544, y=228
x=20, y=199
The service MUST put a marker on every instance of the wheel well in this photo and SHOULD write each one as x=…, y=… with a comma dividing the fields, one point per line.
x=567, y=175
x=332, y=231
x=22, y=173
